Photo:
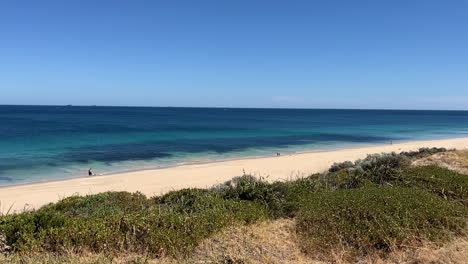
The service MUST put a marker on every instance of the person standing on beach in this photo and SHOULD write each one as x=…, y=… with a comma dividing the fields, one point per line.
x=90, y=172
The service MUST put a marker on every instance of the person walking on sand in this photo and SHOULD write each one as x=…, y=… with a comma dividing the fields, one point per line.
x=90, y=172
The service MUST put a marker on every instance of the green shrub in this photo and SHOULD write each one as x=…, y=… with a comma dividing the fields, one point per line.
x=22, y=230
x=381, y=168
x=288, y=194
x=423, y=152
x=102, y=204
x=249, y=188
x=153, y=232
x=370, y=220
x=344, y=179
x=376, y=168
x=338, y=166
x=446, y=183
x=187, y=200
x=163, y=229
x=18, y=230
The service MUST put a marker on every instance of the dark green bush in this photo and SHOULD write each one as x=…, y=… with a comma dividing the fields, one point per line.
x=187, y=200
x=446, y=183
x=338, y=166
x=377, y=168
x=423, y=152
x=370, y=220
x=381, y=168
x=290, y=193
x=249, y=188
x=22, y=230
x=344, y=179
x=102, y=204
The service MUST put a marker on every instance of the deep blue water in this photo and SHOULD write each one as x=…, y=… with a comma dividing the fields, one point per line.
x=54, y=142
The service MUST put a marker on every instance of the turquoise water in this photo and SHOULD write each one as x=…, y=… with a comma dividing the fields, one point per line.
x=41, y=143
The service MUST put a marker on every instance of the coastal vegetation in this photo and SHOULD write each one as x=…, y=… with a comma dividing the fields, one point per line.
x=369, y=209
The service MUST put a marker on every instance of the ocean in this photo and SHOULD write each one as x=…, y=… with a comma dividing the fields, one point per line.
x=40, y=143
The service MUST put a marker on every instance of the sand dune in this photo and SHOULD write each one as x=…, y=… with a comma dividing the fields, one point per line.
x=155, y=182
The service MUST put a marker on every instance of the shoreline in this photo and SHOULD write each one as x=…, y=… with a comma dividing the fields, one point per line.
x=155, y=168
x=159, y=167
x=155, y=181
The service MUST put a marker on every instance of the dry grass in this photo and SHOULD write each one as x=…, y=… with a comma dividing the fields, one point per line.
x=267, y=242
x=275, y=242
x=452, y=160
x=84, y=259
x=453, y=252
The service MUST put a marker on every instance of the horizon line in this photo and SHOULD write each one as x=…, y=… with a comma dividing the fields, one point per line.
x=231, y=107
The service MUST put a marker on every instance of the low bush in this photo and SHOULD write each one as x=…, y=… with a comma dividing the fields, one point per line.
x=249, y=188
x=164, y=229
x=376, y=168
x=370, y=220
x=189, y=200
x=382, y=168
x=291, y=192
x=446, y=183
x=423, y=152
x=155, y=233
x=102, y=204
x=339, y=166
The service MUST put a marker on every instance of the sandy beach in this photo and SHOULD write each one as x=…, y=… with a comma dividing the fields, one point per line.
x=158, y=181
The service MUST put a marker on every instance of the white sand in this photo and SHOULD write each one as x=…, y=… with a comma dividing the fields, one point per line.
x=156, y=182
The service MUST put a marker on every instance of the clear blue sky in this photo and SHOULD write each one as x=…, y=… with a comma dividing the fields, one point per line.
x=271, y=53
